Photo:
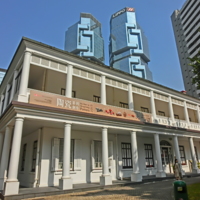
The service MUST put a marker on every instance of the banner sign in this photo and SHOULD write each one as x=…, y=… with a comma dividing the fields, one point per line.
x=58, y=101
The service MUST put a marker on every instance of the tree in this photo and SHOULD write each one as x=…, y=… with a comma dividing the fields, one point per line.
x=195, y=64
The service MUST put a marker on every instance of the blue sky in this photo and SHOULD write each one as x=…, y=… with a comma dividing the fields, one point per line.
x=47, y=20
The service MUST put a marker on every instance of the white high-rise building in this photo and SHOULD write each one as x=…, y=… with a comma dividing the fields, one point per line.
x=186, y=25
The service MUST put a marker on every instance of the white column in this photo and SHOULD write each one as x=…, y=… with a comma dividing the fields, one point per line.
x=13, y=86
x=176, y=149
x=171, y=112
x=117, y=157
x=103, y=89
x=160, y=172
x=66, y=182
x=37, y=159
x=1, y=143
x=25, y=74
x=105, y=179
x=1, y=104
x=135, y=176
x=12, y=183
x=198, y=114
x=195, y=169
x=153, y=108
x=5, y=156
x=68, y=87
x=186, y=113
x=177, y=152
x=130, y=97
x=6, y=97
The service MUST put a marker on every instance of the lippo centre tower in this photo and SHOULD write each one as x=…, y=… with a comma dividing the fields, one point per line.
x=128, y=48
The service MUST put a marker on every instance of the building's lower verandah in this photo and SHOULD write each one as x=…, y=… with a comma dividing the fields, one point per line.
x=53, y=152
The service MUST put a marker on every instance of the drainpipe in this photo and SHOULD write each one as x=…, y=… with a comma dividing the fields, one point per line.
x=37, y=160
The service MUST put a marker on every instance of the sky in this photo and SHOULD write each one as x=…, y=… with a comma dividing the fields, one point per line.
x=47, y=20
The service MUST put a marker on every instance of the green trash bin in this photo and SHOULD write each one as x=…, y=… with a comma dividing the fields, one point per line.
x=180, y=190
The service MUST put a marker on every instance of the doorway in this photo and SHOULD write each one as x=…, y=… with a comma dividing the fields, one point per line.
x=167, y=156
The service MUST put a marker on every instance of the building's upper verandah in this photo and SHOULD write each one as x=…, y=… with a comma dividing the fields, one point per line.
x=44, y=50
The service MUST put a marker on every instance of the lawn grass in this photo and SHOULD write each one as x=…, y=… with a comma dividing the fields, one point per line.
x=194, y=191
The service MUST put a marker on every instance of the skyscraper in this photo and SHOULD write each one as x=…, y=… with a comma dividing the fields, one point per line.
x=128, y=46
x=85, y=39
x=186, y=25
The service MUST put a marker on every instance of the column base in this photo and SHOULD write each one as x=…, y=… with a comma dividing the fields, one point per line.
x=183, y=172
x=161, y=174
x=65, y=183
x=22, y=98
x=195, y=171
x=105, y=180
x=136, y=177
x=2, y=182
x=11, y=187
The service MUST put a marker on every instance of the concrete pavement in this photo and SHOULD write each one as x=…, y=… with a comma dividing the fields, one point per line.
x=159, y=190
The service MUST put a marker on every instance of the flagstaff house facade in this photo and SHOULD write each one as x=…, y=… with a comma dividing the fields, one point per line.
x=68, y=120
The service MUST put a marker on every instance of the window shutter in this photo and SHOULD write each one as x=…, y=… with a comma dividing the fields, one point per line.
x=77, y=155
x=110, y=154
x=92, y=155
x=55, y=153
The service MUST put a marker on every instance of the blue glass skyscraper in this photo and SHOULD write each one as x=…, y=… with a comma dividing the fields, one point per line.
x=85, y=39
x=128, y=46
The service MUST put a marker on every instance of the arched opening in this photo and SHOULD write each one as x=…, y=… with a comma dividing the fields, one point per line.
x=165, y=143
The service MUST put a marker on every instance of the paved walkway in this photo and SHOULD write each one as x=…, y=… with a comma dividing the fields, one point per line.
x=159, y=190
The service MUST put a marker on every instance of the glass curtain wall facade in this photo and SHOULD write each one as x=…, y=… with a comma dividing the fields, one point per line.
x=85, y=38
x=128, y=48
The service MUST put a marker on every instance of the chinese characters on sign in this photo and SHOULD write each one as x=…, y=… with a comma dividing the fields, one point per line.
x=58, y=101
x=67, y=104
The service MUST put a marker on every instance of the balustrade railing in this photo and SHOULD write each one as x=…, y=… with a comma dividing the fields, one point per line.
x=164, y=120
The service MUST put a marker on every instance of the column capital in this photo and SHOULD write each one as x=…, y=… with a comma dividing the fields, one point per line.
x=19, y=119
x=10, y=126
x=104, y=128
x=70, y=65
x=152, y=91
x=67, y=124
x=27, y=52
x=133, y=131
x=170, y=98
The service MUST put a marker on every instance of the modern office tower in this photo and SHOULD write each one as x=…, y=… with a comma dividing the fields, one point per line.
x=186, y=25
x=85, y=39
x=128, y=46
x=2, y=73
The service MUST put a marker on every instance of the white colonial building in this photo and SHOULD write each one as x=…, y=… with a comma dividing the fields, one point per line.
x=67, y=120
